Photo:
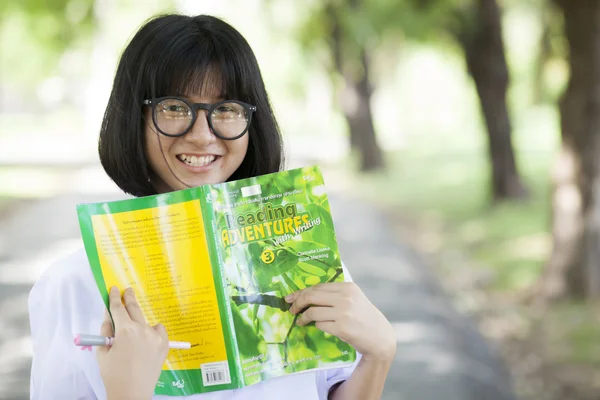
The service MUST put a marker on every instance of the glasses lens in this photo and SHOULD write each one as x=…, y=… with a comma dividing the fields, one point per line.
x=173, y=116
x=230, y=119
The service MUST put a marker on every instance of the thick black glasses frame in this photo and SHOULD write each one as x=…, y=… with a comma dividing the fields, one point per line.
x=200, y=106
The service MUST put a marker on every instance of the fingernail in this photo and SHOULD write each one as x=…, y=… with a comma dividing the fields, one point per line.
x=289, y=298
x=114, y=290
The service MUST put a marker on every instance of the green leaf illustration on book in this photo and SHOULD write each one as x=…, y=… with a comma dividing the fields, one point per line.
x=275, y=262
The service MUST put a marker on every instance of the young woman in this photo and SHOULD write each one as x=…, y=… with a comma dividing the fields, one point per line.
x=188, y=107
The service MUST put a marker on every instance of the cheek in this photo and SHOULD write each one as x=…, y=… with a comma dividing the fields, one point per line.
x=152, y=149
x=238, y=148
x=151, y=146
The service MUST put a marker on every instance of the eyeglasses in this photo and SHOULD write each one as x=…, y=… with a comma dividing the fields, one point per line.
x=174, y=116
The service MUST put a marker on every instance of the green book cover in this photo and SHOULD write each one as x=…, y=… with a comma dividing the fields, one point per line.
x=213, y=265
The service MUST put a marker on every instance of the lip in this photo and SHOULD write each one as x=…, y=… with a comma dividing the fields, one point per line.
x=198, y=154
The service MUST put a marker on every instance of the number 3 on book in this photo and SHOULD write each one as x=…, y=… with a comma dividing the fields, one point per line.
x=267, y=256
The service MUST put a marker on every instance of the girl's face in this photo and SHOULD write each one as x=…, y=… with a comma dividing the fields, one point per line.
x=215, y=159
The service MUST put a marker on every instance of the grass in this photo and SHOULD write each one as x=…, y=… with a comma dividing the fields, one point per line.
x=449, y=190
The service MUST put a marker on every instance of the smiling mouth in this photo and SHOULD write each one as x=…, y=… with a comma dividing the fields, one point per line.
x=197, y=161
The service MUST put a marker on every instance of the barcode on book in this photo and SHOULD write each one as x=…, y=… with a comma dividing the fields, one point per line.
x=216, y=373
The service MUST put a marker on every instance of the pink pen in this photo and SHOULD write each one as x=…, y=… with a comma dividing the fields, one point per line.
x=87, y=341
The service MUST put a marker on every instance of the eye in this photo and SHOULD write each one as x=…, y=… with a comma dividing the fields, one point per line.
x=225, y=109
x=173, y=109
x=229, y=111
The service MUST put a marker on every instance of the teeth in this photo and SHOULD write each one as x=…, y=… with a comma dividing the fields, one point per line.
x=197, y=161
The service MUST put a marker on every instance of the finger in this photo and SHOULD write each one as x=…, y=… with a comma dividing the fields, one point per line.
x=117, y=309
x=312, y=297
x=161, y=330
x=316, y=314
x=324, y=287
x=106, y=329
x=133, y=307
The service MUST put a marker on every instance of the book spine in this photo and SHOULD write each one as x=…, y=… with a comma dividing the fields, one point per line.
x=216, y=257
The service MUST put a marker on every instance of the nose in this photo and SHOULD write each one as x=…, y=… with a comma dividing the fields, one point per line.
x=200, y=131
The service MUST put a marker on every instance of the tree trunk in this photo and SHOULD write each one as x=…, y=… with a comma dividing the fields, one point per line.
x=356, y=103
x=484, y=53
x=574, y=265
x=355, y=97
x=544, y=54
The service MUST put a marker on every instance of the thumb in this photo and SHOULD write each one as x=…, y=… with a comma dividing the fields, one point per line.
x=105, y=330
x=162, y=332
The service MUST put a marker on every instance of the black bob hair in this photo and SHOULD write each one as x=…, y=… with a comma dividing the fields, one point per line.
x=178, y=55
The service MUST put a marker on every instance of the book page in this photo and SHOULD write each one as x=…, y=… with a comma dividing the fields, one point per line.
x=276, y=235
x=162, y=254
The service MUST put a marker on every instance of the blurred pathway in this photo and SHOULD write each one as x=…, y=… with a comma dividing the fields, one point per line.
x=31, y=237
x=440, y=354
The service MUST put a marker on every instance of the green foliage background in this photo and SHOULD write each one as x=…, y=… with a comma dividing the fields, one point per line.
x=263, y=324
x=35, y=34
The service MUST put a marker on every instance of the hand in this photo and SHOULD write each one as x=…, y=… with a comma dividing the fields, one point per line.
x=342, y=309
x=131, y=366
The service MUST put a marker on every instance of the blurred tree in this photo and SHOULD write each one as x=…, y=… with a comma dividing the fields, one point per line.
x=351, y=61
x=354, y=29
x=550, y=48
x=476, y=26
x=480, y=35
x=574, y=265
x=349, y=37
x=43, y=30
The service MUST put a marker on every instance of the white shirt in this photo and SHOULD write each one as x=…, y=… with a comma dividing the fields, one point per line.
x=65, y=301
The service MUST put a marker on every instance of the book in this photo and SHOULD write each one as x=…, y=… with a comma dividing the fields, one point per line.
x=213, y=265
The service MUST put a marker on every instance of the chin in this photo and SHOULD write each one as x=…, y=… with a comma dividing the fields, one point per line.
x=199, y=182
x=192, y=180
